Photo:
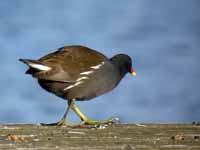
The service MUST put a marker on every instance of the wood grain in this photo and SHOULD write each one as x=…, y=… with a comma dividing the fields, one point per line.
x=113, y=137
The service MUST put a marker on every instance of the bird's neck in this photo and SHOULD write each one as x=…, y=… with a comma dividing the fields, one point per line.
x=119, y=65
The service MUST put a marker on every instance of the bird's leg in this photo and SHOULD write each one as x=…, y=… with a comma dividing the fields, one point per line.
x=63, y=120
x=85, y=119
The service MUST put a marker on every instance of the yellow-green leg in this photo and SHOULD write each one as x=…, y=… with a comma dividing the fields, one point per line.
x=85, y=119
x=63, y=120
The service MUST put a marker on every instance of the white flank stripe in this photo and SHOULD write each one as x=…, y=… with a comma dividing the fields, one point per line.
x=86, y=72
x=98, y=66
x=82, y=78
x=71, y=86
x=40, y=67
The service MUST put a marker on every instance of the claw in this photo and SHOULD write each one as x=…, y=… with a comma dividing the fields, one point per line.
x=114, y=120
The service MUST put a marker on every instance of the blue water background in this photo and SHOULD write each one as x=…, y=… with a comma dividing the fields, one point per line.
x=162, y=37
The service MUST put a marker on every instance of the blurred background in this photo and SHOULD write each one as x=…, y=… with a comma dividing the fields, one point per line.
x=163, y=38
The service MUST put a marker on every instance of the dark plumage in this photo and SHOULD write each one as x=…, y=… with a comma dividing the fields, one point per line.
x=78, y=72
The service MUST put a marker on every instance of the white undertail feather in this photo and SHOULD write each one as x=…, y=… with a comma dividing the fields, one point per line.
x=39, y=67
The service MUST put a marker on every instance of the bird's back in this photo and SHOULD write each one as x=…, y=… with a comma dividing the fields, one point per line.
x=68, y=62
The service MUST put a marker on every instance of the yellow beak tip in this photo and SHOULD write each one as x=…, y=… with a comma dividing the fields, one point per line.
x=133, y=74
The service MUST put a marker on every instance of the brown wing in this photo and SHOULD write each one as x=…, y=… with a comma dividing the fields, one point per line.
x=68, y=62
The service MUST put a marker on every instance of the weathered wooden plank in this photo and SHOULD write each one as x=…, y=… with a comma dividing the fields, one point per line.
x=117, y=137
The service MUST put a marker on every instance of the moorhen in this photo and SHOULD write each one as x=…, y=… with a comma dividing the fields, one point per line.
x=79, y=73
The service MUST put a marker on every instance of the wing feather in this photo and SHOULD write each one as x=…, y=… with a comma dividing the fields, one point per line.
x=68, y=62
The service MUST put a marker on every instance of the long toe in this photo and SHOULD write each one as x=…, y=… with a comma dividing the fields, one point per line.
x=112, y=120
x=59, y=123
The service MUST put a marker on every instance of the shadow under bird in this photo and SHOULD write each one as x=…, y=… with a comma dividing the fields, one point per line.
x=78, y=73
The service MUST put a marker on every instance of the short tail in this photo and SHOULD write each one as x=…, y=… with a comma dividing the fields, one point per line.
x=35, y=64
x=29, y=61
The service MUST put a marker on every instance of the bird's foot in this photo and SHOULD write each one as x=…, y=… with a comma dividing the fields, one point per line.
x=101, y=124
x=59, y=123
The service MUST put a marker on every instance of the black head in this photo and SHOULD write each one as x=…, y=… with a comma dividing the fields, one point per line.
x=124, y=63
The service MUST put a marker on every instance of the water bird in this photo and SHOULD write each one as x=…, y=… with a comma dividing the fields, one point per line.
x=78, y=73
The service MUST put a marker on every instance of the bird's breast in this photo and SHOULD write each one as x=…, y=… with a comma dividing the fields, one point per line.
x=92, y=83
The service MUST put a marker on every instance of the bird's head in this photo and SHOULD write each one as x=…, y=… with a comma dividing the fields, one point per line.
x=124, y=63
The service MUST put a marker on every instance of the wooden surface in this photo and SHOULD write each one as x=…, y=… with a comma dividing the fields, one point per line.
x=116, y=137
